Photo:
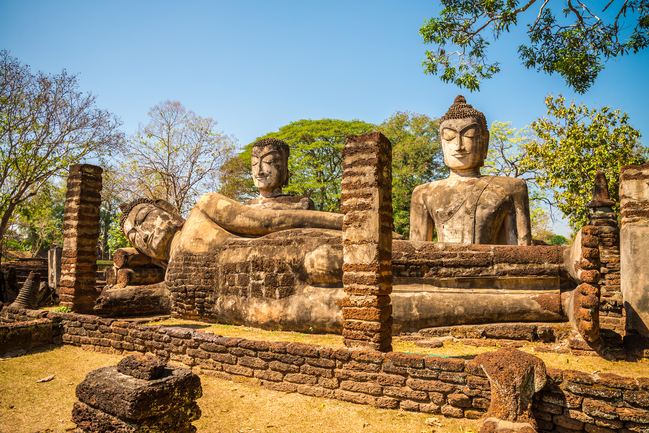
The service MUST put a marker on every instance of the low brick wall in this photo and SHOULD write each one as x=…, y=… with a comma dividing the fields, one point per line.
x=570, y=402
x=28, y=334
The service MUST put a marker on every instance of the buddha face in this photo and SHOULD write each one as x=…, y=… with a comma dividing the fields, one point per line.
x=150, y=229
x=464, y=143
x=269, y=170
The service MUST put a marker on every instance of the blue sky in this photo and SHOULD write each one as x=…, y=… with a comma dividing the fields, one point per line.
x=255, y=66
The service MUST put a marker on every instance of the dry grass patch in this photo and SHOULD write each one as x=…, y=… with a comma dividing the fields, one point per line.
x=228, y=407
x=564, y=361
x=27, y=406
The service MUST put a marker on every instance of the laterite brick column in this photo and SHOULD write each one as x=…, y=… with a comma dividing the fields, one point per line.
x=367, y=241
x=611, y=308
x=634, y=246
x=80, y=237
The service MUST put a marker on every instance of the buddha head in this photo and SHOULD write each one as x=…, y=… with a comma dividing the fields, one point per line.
x=270, y=166
x=150, y=225
x=465, y=136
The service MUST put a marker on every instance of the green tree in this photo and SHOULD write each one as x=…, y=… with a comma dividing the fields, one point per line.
x=46, y=124
x=113, y=191
x=116, y=238
x=235, y=177
x=315, y=164
x=175, y=156
x=417, y=158
x=40, y=219
x=573, y=143
x=576, y=46
x=506, y=158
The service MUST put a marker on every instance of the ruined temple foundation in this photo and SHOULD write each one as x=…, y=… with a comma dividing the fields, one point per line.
x=634, y=242
x=367, y=241
x=80, y=236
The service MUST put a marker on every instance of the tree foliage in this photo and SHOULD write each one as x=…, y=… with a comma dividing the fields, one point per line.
x=315, y=164
x=175, y=155
x=573, y=143
x=39, y=220
x=113, y=192
x=46, y=124
x=576, y=46
x=236, y=177
x=417, y=158
x=506, y=157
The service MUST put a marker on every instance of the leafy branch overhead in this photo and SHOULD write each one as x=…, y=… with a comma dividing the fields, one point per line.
x=575, y=44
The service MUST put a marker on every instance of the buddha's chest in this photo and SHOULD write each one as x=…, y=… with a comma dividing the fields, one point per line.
x=469, y=212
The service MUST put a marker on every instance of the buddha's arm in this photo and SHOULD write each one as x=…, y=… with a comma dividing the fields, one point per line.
x=522, y=212
x=421, y=223
x=237, y=218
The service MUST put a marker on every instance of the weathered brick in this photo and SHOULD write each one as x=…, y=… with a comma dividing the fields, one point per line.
x=459, y=400
x=452, y=411
x=249, y=361
x=238, y=370
x=409, y=405
x=364, y=387
x=445, y=364
x=316, y=371
x=566, y=422
x=300, y=378
x=599, y=409
x=391, y=380
x=430, y=385
x=405, y=393
x=406, y=359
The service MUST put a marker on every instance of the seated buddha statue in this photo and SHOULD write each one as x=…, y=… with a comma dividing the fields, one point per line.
x=269, y=161
x=468, y=207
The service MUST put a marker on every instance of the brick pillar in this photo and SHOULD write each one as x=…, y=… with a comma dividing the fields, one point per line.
x=634, y=246
x=80, y=237
x=367, y=241
x=611, y=308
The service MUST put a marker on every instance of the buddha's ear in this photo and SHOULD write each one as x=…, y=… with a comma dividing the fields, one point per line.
x=171, y=209
x=486, y=145
x=288, y=177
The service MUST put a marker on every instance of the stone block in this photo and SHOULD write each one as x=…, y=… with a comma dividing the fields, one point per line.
x=127, y=397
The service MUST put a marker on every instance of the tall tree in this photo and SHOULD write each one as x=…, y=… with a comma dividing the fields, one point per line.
x=417, y=158
x=175, y=155
x=315, y=164
x=46, y=124
x=576, y=46
x=574, y=142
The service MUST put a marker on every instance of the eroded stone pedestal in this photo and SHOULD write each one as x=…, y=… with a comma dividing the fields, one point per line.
x=515, y=377
x=141, y=394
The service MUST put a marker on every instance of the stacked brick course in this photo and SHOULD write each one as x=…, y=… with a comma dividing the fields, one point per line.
x=571, y=401
x=367, y=241
x=80, y=237
x=611, y=309
x=586, y=301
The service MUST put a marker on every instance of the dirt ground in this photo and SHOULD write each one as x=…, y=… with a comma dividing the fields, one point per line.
x=228, y=407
